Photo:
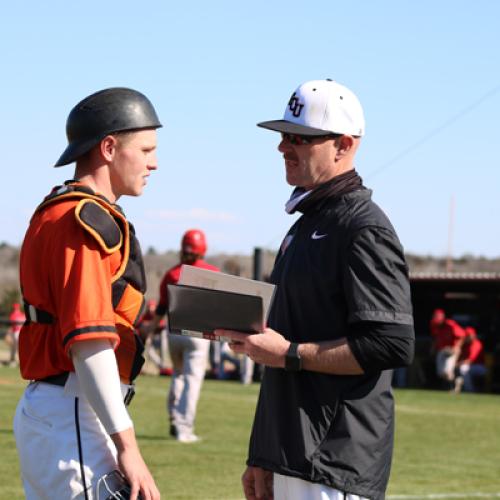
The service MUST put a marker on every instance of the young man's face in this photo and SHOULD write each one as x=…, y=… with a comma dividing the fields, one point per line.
x=134, y=158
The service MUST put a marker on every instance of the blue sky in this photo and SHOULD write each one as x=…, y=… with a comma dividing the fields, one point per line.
x=427, y=74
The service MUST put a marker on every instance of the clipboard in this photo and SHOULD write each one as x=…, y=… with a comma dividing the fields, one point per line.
x=206, y=278
x=204, y=310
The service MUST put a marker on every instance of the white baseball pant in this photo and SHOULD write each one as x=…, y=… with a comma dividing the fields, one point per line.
x=293, y=488
x=189, y=359
x=63, y=447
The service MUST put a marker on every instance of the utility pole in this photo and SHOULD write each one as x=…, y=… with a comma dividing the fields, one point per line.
x=257, y=264
x=449, y=259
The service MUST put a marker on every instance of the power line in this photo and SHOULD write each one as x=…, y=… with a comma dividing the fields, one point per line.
x=434, y=132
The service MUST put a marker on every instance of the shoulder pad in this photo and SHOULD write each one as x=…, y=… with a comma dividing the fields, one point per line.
x=98, y=221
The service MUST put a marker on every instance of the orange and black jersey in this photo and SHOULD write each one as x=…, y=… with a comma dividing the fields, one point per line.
x=81, y=266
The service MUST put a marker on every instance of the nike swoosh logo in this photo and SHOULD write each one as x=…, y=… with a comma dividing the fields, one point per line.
x=316, y=236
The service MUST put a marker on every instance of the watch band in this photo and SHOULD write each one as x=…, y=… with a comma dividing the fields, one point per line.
x=293, y=363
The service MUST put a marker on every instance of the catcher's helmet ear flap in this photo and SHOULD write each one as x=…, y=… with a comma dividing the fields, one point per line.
x=106, y=112
x=194, y=242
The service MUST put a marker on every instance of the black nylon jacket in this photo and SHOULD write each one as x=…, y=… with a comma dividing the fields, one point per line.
x=338, y=266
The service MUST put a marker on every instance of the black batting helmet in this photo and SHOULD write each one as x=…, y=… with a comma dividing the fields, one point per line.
x=108, y=111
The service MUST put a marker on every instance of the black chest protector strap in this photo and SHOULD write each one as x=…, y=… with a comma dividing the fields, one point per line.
x=36, y=315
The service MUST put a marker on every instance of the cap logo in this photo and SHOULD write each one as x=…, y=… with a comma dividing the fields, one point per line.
x=295, y=106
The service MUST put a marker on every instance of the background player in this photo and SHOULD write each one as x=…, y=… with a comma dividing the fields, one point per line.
x=470, y=363
x=189, y=355
x=447, y=340
x=16, y=320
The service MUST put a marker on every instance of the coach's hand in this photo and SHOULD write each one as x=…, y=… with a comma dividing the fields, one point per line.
x=267, y=348
x=257, y=484
x=133, y=467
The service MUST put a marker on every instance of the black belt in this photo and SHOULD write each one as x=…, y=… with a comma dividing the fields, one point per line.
x=35, y=315
x=61, y=379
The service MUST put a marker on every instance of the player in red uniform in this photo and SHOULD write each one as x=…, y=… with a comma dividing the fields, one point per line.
x=470, y=362
x=83, y=286
x=189, y=355
x=144, y=329
x=16, y=320
x=448, y=337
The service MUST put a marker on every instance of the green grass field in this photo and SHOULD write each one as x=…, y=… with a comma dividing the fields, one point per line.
x=446, y=444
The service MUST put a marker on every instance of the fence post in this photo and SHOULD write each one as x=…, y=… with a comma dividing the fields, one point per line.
x=257, y=263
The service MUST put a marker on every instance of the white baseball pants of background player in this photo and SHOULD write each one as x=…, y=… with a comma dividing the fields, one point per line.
x=189, y=359
x=445, y=363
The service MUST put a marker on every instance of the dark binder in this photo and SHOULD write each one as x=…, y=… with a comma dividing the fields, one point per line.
x=204, y=310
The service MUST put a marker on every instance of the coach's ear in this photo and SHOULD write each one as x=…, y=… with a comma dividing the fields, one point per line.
x=344, y=145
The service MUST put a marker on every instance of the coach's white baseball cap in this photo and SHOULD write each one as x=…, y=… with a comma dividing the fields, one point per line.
x=321, y=107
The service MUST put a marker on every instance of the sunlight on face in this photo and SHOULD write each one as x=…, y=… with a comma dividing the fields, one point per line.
x=308, y=165
x=134, y=159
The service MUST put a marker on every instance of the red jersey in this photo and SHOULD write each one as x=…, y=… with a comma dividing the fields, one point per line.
x=446, y=334
x=172, y=277
x=16, y=318
x=472, y=352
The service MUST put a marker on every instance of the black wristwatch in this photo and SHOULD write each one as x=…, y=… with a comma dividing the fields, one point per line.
x=293, y=363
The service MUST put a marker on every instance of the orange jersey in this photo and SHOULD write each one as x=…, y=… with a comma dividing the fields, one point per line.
x=66, y=272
